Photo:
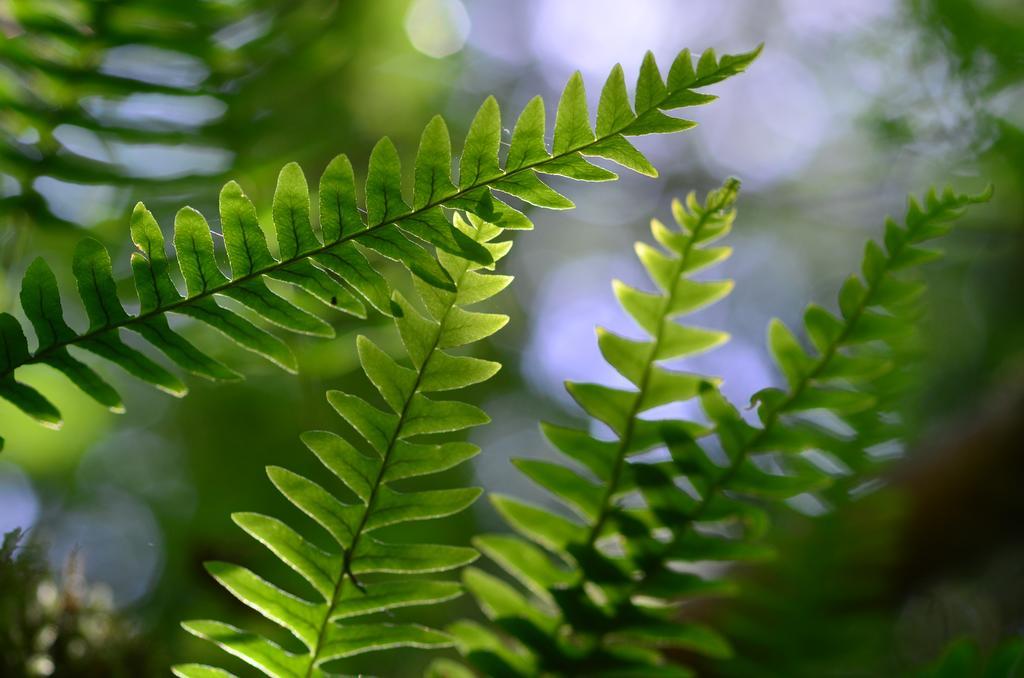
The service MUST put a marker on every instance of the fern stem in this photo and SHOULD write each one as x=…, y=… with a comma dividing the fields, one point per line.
x=41, y=356
x=625, y=441
x=346, y=565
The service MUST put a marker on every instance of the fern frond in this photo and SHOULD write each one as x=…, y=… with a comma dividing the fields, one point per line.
x=348, y=583
x=854, y=368
x=603, y=590
x=332, y=265
x=581, y=619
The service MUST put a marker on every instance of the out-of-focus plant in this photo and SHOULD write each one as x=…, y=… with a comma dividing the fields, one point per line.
x=948, y=519
x=72, y=72
x=62, y=625
x=982, y=46
x=963, y=659
x=983, y=42
x=128, y=96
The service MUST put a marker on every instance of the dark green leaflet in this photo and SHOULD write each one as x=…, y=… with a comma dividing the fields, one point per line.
x=338, y=623
x=331, y=265
x=600, y=591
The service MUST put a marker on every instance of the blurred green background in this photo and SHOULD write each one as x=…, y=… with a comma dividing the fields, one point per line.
x=853, y=104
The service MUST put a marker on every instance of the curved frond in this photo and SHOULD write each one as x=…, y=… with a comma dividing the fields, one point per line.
x=349, y=584
x=599, y=594
x=330, y=263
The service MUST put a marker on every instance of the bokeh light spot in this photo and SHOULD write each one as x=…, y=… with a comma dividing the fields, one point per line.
x=438, y=28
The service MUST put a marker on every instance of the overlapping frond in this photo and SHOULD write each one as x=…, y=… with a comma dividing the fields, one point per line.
x=580, y=617
x=600, y=593
x=350, y=584
x=331, y=264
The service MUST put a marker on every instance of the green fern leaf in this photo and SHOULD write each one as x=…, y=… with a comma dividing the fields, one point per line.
x=629, y=636
x=338, y=622
x=329, y=263
x=599, y=591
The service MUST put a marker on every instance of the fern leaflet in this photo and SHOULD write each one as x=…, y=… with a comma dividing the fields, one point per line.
x=332, y=266
x=606, y=604
x=334, y=627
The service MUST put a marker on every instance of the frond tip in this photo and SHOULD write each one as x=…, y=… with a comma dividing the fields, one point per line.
x=330, y=263
x=350, y=584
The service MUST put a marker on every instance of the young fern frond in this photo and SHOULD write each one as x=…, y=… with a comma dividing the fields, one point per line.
x=331, y=265
x=347, y=582
x=605, y=605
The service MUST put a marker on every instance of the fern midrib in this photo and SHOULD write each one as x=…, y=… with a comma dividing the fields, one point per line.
x=626, y=440
x=346, y=564
x=439, y=202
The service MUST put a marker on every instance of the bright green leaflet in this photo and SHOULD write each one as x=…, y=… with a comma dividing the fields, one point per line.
x=331, y=265
x=339, y=622
x=600, y=594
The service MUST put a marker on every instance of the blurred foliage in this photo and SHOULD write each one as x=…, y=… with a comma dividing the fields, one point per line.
x=963, y=659
x=811, y=615
x=985, y=43
x=88, y=86
x=62, y=625
x=884, y=584
x=77, y=66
